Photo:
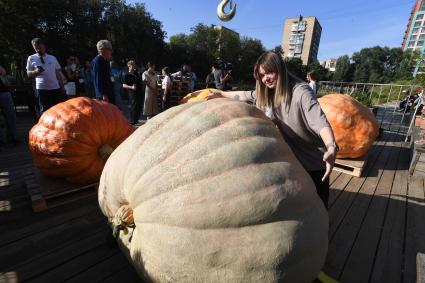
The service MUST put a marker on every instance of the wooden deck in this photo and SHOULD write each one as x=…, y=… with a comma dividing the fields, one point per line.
x=376, y=225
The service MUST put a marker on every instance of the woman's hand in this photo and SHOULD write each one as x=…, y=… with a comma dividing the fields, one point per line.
x=329, y=158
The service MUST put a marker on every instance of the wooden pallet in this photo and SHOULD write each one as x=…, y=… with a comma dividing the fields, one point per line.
x=352, y=167
x=48, y=192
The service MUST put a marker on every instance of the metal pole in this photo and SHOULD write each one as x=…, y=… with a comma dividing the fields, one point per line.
x=409, y=131
x=405, y=109
x=398, y=99
x=379, y=96
x=371, y=92
x=364, y=87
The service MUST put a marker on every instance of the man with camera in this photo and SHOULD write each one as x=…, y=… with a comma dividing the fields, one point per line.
x=222, y=75
x=46, y=70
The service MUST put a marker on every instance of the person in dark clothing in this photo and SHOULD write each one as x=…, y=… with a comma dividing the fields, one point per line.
x=8, y=108
x=134, y=85
x=210, y=81
x=103, y=86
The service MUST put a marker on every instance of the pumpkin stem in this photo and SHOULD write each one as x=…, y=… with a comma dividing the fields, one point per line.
x=105, y=150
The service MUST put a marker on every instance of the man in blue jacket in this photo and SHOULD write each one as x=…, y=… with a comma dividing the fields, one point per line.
x=103, y=86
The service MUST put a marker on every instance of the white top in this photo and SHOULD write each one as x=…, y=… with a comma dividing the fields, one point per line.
x=313, y=86
x=47, y=79
x=166, y=82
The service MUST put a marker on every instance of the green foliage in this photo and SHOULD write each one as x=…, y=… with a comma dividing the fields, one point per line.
x=321, y=73
x=296, y=67
x=343, y=69
x=204, y=45
x=74, y=26
x=383, y=65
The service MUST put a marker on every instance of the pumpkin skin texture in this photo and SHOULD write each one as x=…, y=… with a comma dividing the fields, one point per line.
x=74, y=138
x=217, y=196
x=199, y=95
x=354, y=126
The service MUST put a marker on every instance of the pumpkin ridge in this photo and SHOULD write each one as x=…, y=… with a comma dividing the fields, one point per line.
x=195, y=139
x=268, y=217
x=169, y=156
x=187, y=124
x=199, y=180
x=158, y=125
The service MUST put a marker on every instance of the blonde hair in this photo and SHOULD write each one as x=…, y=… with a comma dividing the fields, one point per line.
x=265, y=97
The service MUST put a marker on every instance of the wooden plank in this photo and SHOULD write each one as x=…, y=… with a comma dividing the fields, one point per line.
x=60, y=256
x=28, y=227
x=77, y=265
x=338, y=187
x=359, y=263
x=415, y=228
x=42, y=242
x=334, y=176
x=344, y=235
x=104, y=269
x=389, y=259
x=338, y=209
x=127, y=274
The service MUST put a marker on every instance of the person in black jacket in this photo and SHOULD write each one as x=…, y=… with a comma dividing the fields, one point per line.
x=103, y=86
x=134, y=85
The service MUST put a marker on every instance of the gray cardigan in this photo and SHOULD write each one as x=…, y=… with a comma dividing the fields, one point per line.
x=301, y=125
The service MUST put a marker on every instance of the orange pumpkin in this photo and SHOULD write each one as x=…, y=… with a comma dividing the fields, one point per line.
x=200, y=95
x=354, y=125
x=74, y=139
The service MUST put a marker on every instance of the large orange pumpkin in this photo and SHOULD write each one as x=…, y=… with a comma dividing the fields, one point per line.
x=73, y=139
x=199, y=95
x=215, y=195
x=354, y=125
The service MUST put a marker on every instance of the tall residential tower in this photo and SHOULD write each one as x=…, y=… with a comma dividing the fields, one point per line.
x=301, y=38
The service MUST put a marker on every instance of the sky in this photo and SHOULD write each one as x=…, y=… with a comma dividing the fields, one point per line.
x=347, y=25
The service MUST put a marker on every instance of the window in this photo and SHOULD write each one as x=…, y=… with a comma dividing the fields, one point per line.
x=413, y=37
x=420, y=43
x=415, y=30
x=299, y=39
x=421, y=37
x=418, y=24
x=411, y=43
x=298, y=49
x=302, y=26
x=423, y=30
x=420, y=17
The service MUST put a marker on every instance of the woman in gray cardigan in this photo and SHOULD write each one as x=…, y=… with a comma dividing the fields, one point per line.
x=291, y=104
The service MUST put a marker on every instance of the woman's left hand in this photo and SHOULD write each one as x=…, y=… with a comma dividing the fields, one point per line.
x=329, y=159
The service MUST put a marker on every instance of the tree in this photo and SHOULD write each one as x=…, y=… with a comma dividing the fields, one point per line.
x=342, y=69
x=321, y=73
x=296, y=67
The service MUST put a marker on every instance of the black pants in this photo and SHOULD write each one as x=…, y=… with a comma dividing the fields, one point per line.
x=136, y=106
x=322, y=188
x=47, y=98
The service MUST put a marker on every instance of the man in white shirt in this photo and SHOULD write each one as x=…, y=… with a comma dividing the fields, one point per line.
x=46, y=70
x=311, y=78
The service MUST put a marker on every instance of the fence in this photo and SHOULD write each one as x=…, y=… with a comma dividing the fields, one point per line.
x=384, y=97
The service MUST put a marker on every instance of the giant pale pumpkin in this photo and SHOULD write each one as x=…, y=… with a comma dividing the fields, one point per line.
x=199, y=95
x=216, y=196
x=354, y=125
x=73, y=139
